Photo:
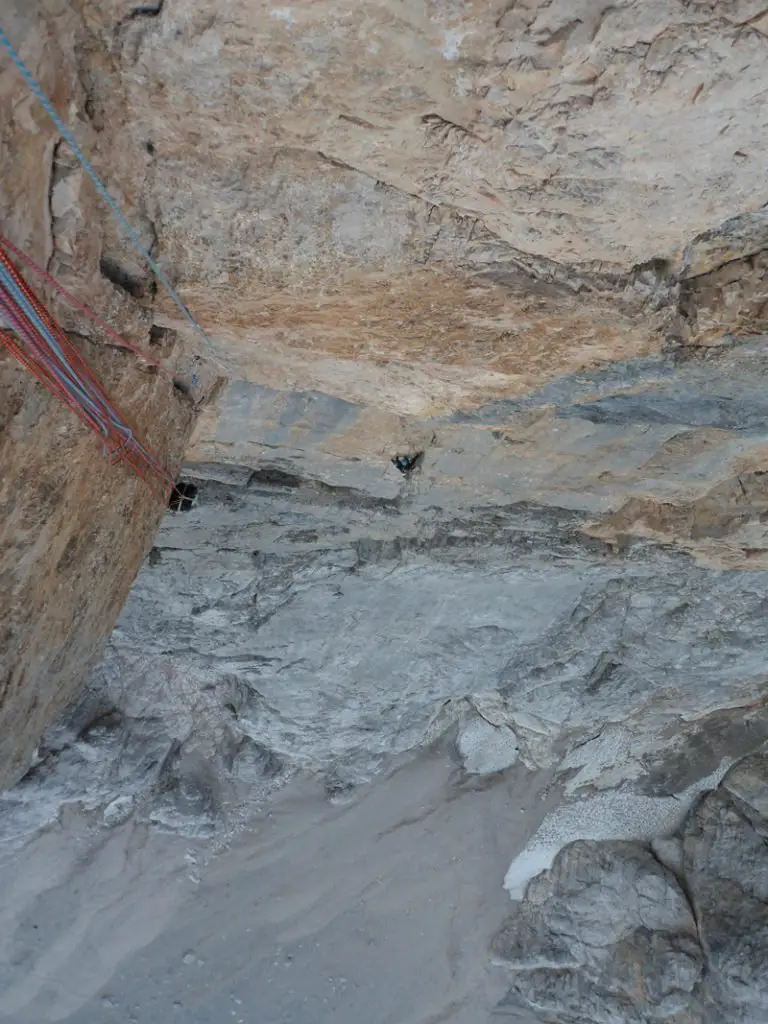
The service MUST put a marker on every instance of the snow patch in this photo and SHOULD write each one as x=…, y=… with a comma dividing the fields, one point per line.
x=487, y=748
x=451, y=44
x=283, y=14
x=611, y=815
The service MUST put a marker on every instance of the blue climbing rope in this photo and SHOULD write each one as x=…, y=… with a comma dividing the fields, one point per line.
x=59, y=366
x=42, y=347
x=100, y=188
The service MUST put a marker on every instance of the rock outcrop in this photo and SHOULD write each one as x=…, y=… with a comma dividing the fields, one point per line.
x=489, y=283
x=617, y=931
x=606, y=935
x=74, y=529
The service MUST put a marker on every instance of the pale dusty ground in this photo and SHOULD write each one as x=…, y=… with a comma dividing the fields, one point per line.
x=376, y=912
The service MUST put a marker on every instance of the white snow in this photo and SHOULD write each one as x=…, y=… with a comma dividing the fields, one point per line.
x=283, y=14
x=609, y=815
x=453, y=38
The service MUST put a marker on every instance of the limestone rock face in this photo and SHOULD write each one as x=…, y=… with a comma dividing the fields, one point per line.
x=435, y=203
x=488, y=284
x=522, y=245
x=424, y=205
x=73, y=528
x=610, y=934
x=726, y=866
x=606, y=935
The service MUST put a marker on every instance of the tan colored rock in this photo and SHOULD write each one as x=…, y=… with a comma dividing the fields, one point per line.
x=74, y=528
x=422, y=207
x=410, y=210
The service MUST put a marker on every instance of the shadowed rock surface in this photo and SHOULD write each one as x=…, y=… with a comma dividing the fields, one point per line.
x=606, y=935
x=615, y=931
x=473, y=542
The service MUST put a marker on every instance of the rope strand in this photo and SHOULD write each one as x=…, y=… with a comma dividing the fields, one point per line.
x=100, y=187
x=81, y=306
x=43, y=348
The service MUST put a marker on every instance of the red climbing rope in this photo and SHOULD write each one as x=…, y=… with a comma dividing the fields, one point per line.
x=40, y=344
x=80, y=306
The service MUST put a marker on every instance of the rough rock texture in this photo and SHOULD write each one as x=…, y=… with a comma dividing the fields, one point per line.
x=73, y=528
x=432, y=203
x=389, y=217
x=606, y=935
x=725, y=862
x=286, y=622
x=522, y=247
x=610, y=933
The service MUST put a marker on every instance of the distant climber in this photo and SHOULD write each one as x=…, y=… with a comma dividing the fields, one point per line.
x=407, y=463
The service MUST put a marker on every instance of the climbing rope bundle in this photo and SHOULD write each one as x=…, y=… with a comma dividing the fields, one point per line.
x=39, y=343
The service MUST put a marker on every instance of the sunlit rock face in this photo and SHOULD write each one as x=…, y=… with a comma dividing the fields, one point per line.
x=487, y=283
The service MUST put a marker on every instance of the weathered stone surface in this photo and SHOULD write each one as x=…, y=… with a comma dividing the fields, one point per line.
x=425, y=207
x=606, y=935
x=286, y=623
x=521, y=244
x=485, y=747
x=384, y=216
x=609, y=934
x=746, y=782
x=73, y=528
x=726, y=868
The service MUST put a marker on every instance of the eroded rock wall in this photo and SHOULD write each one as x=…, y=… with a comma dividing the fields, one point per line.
x=526, y=241
x=423, y=206
x=74, y=529
x=618, y=931
x=523, y=247
x=330, y=613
